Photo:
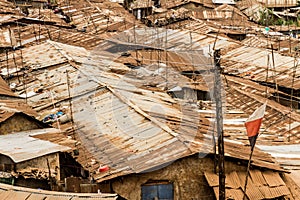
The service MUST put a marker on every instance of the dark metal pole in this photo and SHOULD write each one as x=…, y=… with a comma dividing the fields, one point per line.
x=219, y=118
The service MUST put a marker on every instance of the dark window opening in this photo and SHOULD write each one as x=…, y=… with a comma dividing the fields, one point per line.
x=158, y=191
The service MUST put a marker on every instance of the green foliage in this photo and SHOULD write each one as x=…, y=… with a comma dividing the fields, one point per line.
x=279, y=21
x=268, y=18
x=289, y=22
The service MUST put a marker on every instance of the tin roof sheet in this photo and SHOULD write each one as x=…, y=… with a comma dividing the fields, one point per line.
x=92, y=17
x=10, y=107
x=7, y=7
x=14, y=195
x=4, y=89
x=142, y=4
x=255, y=66
x=21, y=147
x=9, y=192
x=278, y=3
x=229, y=2
x=129, y=128
x=7, y=38
x=255, y=190
x=278, y=127
x=287, y=155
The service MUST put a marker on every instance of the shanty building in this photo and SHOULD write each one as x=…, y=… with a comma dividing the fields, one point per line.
x=31, y=162
x=146, y=116
x=15, y=114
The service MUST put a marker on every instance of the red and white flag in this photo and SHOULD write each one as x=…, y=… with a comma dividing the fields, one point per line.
x=253, y=124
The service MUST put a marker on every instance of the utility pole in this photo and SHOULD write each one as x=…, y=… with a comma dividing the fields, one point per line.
x=219, y=118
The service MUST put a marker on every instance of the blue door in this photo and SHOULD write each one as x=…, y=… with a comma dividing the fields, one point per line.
x=157, y=192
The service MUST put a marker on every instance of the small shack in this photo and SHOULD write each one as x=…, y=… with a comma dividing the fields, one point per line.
x=35, y=163
x=16, y=115
x=141, y=9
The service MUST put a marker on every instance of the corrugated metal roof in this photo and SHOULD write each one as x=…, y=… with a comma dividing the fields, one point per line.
x=128, y=128
x=10, y=107
x=255, y=190
x=197, y=25
x=177, y=3
x=279, y=3
x=96, y=17
x=232, y=180
x=142, y=4
x=4, y=89
x=233, y=193
x=21, y=147
x=252, y=10
x=287, y=155
x=33, y=196
x=254, y=63
x=7, y=7
x=122, y=135
x=7, y=38
x=9, y=192
x=8, y=195
x=273, y=180
x=280, y=126
x=229, y=2
x=258, y=178
x=295, y=176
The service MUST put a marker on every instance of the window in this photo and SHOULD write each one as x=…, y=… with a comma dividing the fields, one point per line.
x=157, y=191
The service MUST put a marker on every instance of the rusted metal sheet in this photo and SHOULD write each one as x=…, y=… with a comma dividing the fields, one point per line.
x=95, y=17
x=7, y=195
x=256, y=187
x=4, y=89
x=7, y=38
x=9, y=192
x=126, y=138
x=142, y=4
x=257, y=178
x=130, y=128
x=21, y=147
x=279, y=127
x=212, y=179
x=233, y=180
x=34, y=196
x=256, y=64
x=272, y=179
x=235, y=194
x=58, y=198
x=279, y=3
x=7, y=7
x=10, y=107
x=229, y=2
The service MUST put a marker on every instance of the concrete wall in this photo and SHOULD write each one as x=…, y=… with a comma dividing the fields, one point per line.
x=18, y=122
x=6, y=164
x=41, y=164
x=187, y=176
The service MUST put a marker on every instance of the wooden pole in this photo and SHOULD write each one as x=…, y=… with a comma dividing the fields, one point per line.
x=7, y=66
x=22, y=64
x=49, y=171
x=248, y=170
x=219, y=119
x=70, y=103
x=274, y=74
